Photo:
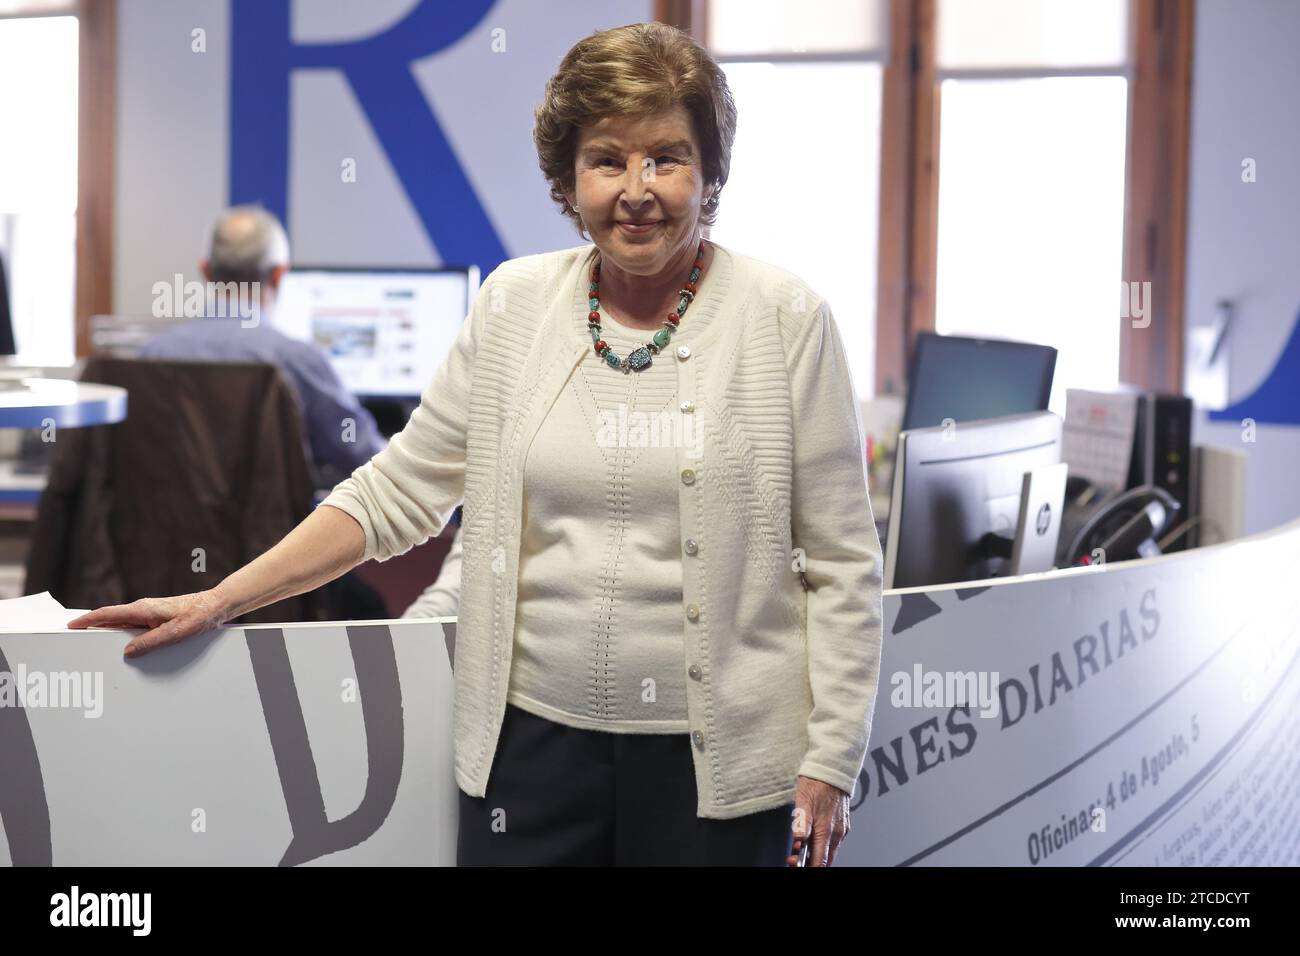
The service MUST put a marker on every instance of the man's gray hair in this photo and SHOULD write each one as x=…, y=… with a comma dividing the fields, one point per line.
x=247, y=244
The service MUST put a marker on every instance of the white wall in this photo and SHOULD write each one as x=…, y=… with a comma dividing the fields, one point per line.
x=1244, y=238
x=173, y=121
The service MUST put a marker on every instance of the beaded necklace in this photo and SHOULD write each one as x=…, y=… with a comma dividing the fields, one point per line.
x=640, y=358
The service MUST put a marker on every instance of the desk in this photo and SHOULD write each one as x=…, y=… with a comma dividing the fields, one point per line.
x=19, y=490
x=1140, y=713
x=65, y=404
x=39, y=403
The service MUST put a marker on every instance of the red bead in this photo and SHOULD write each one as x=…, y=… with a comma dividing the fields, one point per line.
x=690, y=287
x=674, y=318
x=593, y=316
x=600, y=346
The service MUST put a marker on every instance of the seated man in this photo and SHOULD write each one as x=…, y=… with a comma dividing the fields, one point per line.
x=250, y=246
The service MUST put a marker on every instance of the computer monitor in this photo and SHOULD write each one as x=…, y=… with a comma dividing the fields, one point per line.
x=386, y=331
x=7, y=343
x=957, y=483
x=966, y=379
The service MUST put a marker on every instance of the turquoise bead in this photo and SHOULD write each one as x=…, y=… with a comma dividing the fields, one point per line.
x=593, y=304
x=681, y=305
x=661, y=338
x=592, y=287
x=695, y=276
x=595, y=334
x=613, y=360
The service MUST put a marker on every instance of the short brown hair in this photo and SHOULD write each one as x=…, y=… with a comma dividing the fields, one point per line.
x=630, y=71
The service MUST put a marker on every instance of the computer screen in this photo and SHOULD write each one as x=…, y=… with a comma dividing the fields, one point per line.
x=953, y=485
x=966, y=379
x=7, y=344
x=385, y=331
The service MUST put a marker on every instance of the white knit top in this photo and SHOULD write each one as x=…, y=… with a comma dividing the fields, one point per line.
x=598, y=638
x=778, y=616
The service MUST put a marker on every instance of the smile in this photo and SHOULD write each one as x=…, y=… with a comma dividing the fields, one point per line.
x=639, y=228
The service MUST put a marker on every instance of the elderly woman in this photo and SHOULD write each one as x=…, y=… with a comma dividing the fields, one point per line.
x=669, y=629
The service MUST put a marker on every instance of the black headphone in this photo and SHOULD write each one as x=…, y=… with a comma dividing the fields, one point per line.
x=1122, y=527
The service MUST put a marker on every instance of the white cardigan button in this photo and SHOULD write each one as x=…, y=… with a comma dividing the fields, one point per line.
x=691, y=546
x=698, y=737
x=688, y=476
x=692, y=611
x=683, y=352
x=688, y=406
x=694, y=671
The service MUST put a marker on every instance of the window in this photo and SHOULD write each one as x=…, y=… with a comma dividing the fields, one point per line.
x=1033, y=106
x=38, y=182
x=805, y=168
x=982, y=167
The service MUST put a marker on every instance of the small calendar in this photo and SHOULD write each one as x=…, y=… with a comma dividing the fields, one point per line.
x=1097, y=441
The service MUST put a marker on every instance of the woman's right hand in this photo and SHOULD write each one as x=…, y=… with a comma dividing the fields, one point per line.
x=168, y=619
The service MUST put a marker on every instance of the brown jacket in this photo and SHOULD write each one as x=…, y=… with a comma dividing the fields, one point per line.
x=207, y=472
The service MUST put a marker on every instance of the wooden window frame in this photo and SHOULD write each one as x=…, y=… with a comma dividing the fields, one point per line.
x=909, y=192
x=96, y=162
x=96, y=94
x=689, y=16
x=1155, y=189
x=96, y=152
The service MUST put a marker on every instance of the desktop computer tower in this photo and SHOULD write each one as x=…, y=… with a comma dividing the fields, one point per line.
x=1162, y=453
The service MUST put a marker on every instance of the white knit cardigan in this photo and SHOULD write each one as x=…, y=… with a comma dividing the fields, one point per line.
x=781, y=613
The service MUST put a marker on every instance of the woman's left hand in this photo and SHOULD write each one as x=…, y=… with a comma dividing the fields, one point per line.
x=821, y=816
